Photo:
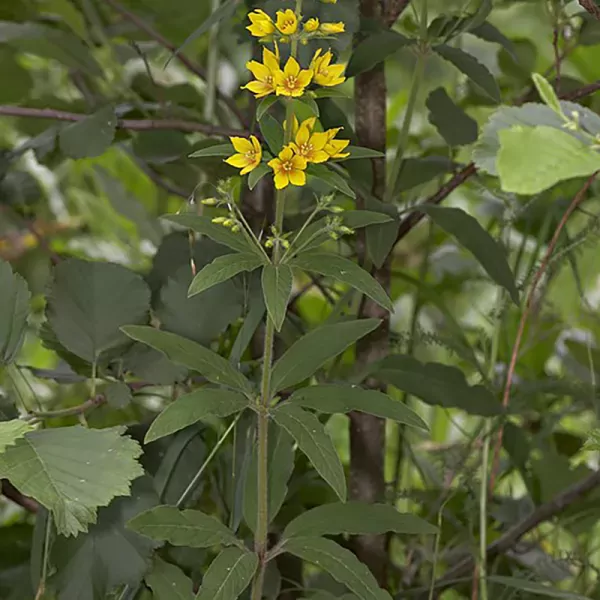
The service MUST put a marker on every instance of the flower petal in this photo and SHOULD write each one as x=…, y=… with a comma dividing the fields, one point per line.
x=258, y=70
x=297, y=178
x=239, y=161
x=292, y=67
x=304, y=78
x=242, y=144
x=270, y=60
x=319, y=140
x=281, y=179
x=298, y=162
x=286, y=154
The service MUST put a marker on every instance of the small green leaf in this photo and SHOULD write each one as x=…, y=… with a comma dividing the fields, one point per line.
x=277, y=283
x=375, y=49
x=337, y=182
x=117, y=394
x=422, y=170
x=272, y=132
x=315, y=442
x=330, y=93
x=11, y=431
x=315, y=348
x=452, y=123
x=535, y=588
x=257, y=174
x=486, y=31
x=225, y=150
x=264, y=105
x=357, y=152
x=14, y=310
x=306, y=105
x=547, y=93
x=194, y=407
x=90, y=137
x=222, y=269
x=355, y=219
x=168, y=582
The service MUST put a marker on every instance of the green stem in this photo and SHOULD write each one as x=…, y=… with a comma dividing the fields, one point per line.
x=45, y=558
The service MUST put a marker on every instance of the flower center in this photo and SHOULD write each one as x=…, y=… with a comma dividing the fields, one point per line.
x=306, y=148
x=251, y=155
x=291, y=81
x=269, y=79
x=287, y=166
x=288, y=23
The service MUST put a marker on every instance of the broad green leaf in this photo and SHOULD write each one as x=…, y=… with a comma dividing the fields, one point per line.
x=332, y=179
x=357, y=152
x=191, y=355
x=333, y=399
x=194, y=407
x=90, y=137
x=356, y=518
x=438, y=385
x=375, y=49
x=272, y=132
x=218, y=150
x=533, y=159
x=355, y=219
x=315, y=348
x=264, y=105
x=344, y=270
x=486, y=31
x=418, y=171
x=330, y=93
x=223, y=268
x=182, y=528
x=469, y=233
x=72, y=471
x=11, y=431
x=89, y=302
x=14, y=310
x=228, y=575
x=257, y=174
x=315, y=442
x=381, y=240
x=168, y=582
x=452, y=123
x=117, y=394
x=535, y=588
x=340, y=563
x=305, y=107
x=277, y=283
x=547, y=93
x=163, y=147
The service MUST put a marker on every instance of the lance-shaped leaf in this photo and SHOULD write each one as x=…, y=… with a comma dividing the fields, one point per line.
x=316, y=348
x=315, y=442
x=11, y=431
x=344, y=270
x=212, y=151
x=272, y=131
x=194, y=407
x=168, y=582
x=535, y=588
x=277, y=283
x=14, y=309
x=331, y=178
x=183, y=528
x=375, y=49
x=91, y=136
x=191, y=355
x=452, y=123
x=356, y=518
x=345, y=398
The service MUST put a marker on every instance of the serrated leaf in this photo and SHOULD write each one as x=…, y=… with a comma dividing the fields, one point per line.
x=257, y=174
x=535, y=588
x=11, y=431
x=356, y=518
x=335, y=181
x=452, y=123
x=222, y=269
x=315, y=442
x=191, y=355
x=168, y=582
x=194, y=407
x=333, y=399
x=228, y=575
x=264, y=105
x=533, y=159
x=14, y=310
x=182, y=528
x=277, y=283
x=91, y=136
x=72, y=471
x=375, y=49
x=315, y=348
x=272, y=132
x=225, y=150
x=340, y=563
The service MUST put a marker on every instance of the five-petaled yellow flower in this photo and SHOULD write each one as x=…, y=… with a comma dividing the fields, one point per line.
x=311, y=25
x=266, y=74
x=288, y=168
x=324, y=73
x=310, y=145
x=249, y=154
x=262, y=24
x=335, y=148
x=287, y=21
x=292, y=80
x=330, y=28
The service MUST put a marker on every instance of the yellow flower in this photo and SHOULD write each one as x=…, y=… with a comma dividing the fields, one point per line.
x=288, y=168
x=287, y=22
x=324, y=73
x=262, y=24
x=335, y=148
x=265, y=73
x=330, y=28
x=311, y=25
x=292, y=80
x=249, y=154
x=329, y=1
x=310, y=145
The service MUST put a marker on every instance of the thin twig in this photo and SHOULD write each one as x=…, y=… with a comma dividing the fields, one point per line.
x=73, y=411
x=14, y=495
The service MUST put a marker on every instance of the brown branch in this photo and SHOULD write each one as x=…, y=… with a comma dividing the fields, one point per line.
x=582, y=92
x=14, y=495
x=394, y=10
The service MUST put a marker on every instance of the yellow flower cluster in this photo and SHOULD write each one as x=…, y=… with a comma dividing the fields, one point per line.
x=287, y=24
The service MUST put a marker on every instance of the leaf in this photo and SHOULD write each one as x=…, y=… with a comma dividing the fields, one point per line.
x=315, y=442
x=533, y=159
x=417, y=171
x=305, y=107
x=191, y=355
x=375, y=49
x=264, y=105
x=117, y=394
x=486, y=31
x=472, y=68
x=228, y=575
x=91, y=136
x=223, y=268
x=89, y=302
x=168, y=582
x=315, y=348
x=357, y=152
x=356, y=518
x=340, y=563
x=535, y=588
x=333, y=399
x=547, y=93
x=335, y=181
x=470, y=234
x=252, y=319
x=194, y=407
x=217, y=150
x=182, y=528
x=272, y=131
x=72, y=471
x=11, y=431
x=452, y=123
x=277, y=283
x=355, y=219
x=344, y=270
x=14, y=310
x=438, y=385
x=257, y=174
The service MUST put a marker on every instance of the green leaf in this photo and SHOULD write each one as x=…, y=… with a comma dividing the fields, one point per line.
x=470, y=234
x=91, y=136
x=357, y=152
x=315, y=442
x=14, y=310
x=535, y=588
x=223, y=268
x=344, y=270
x=486, y=31
x=452, y=123
x=182, y=528
x=356, y=518
x=168, y=582
x=228, y=575
x=340, y=563
x=472, y=68
x=533, y=159
x=335, y=181
x=252, y=319
x=330, y=93
x=547, y=93
x=72, y=471
x=11, y=431
x=305, y=107
x=418, y=171
x=333, y=399
x=257, y=174
x=264, y=105
x=191, y=355
x=277, y=283
x=89, y=302
x=375, y=49
x=218, y=150
x=355, y=219
x=315, y=348
x=272, y=132
x=194, y=407
x=438, y=385
x=117, y=394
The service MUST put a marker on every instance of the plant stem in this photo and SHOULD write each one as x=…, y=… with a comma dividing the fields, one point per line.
x=213, y=65
x=45, y=558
